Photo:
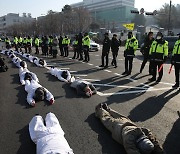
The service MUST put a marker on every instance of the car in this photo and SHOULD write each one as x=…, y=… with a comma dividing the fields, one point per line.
x=94, y=46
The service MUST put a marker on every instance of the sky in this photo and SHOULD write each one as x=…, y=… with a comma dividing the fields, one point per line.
x=40, y=7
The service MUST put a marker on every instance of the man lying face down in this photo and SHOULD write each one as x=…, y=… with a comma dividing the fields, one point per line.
x=62, y=75
x=37, y=93
x=39, y=62
x=25, y=74
x=48, y=135
x=136, y=140
x=82, y=87
x=23, y=64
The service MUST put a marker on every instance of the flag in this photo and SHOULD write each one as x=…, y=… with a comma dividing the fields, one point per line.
x=129, y=26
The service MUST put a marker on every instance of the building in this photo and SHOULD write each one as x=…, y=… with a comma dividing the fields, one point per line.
x=111, y=12
x=12, y=18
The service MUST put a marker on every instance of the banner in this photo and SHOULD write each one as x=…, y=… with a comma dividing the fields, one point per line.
x=129, y=26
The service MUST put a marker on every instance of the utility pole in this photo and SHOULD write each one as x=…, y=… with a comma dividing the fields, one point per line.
x=169, y=21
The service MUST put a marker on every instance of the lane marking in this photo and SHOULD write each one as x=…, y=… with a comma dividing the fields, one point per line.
x=97, y=55
x=132, y=92
x=95, y=80
x=108, y=71
x=97, y=66
x=116, y=86
x=167, y=83
x=90, y=64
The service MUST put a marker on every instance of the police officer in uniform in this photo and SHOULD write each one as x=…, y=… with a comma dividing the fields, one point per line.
x=86, y=46
x=105, y=50
x=176, y=61
x=129, y=53
x=158, y=53
x=66, y=42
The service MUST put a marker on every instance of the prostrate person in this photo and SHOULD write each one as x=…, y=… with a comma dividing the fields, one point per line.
x=17, y=61
x=62, y=75
x=129, y=53
x=3, y=66
x=25, y=74
x=49, y=136
x=37, y=93
x=23, y=64
x=145, y=51
x=40, y=62
x=136, y=140
x=82, y=87
x=175, y=60
x=158, y=53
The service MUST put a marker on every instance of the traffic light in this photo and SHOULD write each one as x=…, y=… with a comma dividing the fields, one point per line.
x=135, y=11
x=149, y=13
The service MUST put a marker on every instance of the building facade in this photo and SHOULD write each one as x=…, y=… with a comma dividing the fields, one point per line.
x=11, y=19
x=109, y=11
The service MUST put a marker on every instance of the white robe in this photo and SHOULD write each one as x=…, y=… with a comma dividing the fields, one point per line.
x=16, y=61
x=31, y=58
x=31, y=87
x=37, y=63
x=49, y=138
x=58, y=73
x=23, y=71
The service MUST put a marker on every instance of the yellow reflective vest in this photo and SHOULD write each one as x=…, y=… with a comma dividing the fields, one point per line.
x=66, y=41
x=86, y=41
x=176, y=49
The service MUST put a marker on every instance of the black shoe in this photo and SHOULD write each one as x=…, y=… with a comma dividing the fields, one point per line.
x=115, y=66
x=124, y=73
x=152, y=79
x=129, y=73
x=73, y=57
x=175, y=86
x=106, y=66
x=101, y=66
x=80, y=59
x=112, y=63
x=84, y=60
x=158, y=80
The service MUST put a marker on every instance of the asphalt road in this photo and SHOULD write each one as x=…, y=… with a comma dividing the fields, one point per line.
x=150, y=105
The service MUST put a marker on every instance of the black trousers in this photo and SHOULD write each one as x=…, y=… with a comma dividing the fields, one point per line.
x=37, y=50
x=155, y=65
x=177, y=69
x=80, y=52
x=45, y=48
x=86, y=53
x=128, y=64
x=66, y=51
x=76, y=53
x=144, y=63
x=50, y=49
x=61, y=50
x=54, y=53
x=114, y=62
x=106, y=56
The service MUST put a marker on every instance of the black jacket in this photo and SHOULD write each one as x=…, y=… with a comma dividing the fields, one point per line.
x=146, y=47
x=106, y=44
x=115, y=45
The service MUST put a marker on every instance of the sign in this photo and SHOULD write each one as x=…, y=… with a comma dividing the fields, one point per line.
x=142, y=11
x=129, y=26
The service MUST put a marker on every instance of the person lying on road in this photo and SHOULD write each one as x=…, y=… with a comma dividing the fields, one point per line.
x=37, y=93
x=62, y=75
x=136, y=140
x=25, y=74
x=49, y=136
x=83, y=87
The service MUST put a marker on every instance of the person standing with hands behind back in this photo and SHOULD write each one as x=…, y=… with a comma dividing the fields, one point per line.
x=115, y=43
x=105, y=50
x=129, y=53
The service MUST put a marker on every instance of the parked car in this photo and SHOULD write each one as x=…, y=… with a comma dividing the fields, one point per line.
x=94, y=46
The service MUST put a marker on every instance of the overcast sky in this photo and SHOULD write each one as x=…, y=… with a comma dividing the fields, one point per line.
x=40, y=7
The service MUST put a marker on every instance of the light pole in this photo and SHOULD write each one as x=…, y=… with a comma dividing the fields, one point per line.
x=169, y=21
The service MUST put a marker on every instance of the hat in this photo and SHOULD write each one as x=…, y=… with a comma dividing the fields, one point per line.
x=145, y=145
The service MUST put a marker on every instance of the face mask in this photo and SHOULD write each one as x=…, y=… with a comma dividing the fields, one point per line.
x=158, y=37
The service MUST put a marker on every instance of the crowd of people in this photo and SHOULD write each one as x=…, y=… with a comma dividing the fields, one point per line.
x=135, y=139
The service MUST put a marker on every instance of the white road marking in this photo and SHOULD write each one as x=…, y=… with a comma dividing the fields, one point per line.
x=97, y=66
x=116, y=86
x=167, y=83
x=90, y=64
x=132, y=92
x=97, y=55
x=95, y=80
x=80, y=75
x=108, y=71
x=117, y=74
x=73, y=71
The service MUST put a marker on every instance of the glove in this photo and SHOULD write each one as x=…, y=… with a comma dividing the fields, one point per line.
x=165, y=58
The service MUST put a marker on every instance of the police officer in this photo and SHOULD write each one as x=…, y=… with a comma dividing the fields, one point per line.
x=20, y=41
x=8, y=43
x=55, y=47
x=86, y=46
x=60, y=45
x=50, y=41
x=66, y=42
x=29, y=44
x=25, y=44
x=115, y=43
x=176, y=61
x=15, y=43
x=145, y=51
x=105, y=50
x=158, y=53
x=129, y=53
x=36, y=42
x=80, y=37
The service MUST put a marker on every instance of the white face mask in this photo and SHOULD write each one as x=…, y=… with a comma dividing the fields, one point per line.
x=158, y=37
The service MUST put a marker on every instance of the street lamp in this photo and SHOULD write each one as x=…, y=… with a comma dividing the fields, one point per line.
x=169, y=21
